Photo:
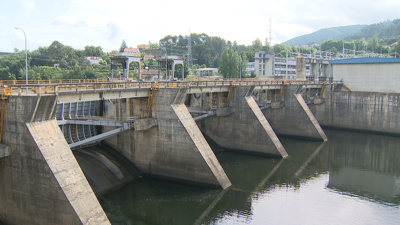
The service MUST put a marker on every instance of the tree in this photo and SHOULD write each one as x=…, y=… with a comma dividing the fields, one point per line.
x=250, y=55
x=103, y=62
x=92, y=51
x=56, y=50
x=372, y=43
x=282, y=53
x=257, y=45
x=267, y=46
x=278, y=48
x=63, y=64
x=123, y=46
x=244, y=63
x=11, y=65
x=229, y=63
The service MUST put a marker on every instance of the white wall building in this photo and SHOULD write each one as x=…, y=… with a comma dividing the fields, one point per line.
x=270, y=66
x=207, y=72
x=94, y=59
x=368, y=74
x=250, y=67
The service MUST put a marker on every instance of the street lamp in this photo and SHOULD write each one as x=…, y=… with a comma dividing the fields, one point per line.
x=26, y=60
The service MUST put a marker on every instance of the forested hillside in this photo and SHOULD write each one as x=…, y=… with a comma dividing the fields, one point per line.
x=334, y=33
x=387, y=33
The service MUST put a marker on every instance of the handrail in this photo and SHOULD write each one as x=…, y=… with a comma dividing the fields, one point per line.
x=56, y=88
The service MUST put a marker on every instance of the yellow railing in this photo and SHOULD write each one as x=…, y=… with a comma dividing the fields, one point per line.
x=55, y=81
x=95, y=85
x=150, y=101
x=5, y=92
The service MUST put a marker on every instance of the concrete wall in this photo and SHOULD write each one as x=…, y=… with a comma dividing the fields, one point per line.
x=365, y=111
x=41, y=182
x=175, y=149
x=372, y=77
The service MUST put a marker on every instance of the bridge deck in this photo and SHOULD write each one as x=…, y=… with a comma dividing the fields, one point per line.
x=73, y=92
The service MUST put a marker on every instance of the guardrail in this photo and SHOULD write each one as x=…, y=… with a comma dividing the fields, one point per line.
x=60, y=88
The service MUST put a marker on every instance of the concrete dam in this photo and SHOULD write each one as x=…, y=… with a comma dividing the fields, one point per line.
x=51, y=134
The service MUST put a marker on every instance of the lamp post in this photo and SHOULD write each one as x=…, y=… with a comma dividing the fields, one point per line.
x=26, y=60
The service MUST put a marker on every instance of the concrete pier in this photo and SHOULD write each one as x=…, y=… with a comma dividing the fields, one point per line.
x=40, y=181
x=175, y=149
x=294, y=119
x=245, y=129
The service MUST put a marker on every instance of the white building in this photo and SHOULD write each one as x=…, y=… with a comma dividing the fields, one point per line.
x=270, y=66
x=368, y=74
x=207, y=72
x=250, y=67
x=94, y=59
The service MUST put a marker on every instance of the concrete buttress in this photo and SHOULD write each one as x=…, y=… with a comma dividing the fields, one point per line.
x=294, y=119
x=69, y=176
x=175, y=149
x=311, y=116
x=41, y=181
x=264, y=122
x=244, y=130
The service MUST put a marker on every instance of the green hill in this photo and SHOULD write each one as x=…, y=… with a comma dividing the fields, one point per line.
x=318, y=37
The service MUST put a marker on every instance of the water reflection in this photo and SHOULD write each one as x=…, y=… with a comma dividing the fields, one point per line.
x=371, y=170
x=352, y=178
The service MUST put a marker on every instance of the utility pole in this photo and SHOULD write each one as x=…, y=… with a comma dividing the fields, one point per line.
x=343, y=49
x=287, y=59
x=189, y=53
x=26, y=60
x=240, y=67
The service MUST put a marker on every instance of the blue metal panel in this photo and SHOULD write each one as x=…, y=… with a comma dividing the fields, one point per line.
x=364, y=60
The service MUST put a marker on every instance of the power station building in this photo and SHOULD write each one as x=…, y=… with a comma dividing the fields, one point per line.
x=368, y=74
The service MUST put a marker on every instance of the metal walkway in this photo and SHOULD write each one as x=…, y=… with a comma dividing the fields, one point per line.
x=79, y=123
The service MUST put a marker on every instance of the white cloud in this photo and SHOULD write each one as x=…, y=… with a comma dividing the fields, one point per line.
x=28, y=4
x=103, y=23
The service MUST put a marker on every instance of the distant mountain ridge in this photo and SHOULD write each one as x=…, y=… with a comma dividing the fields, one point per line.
x=322, y=35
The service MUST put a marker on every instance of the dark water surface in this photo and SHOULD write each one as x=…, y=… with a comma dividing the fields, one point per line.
x=354, y=178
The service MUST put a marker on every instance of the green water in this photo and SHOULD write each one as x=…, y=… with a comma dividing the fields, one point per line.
x=354, y=178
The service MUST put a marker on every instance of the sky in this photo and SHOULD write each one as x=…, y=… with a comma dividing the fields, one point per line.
x=79, y=23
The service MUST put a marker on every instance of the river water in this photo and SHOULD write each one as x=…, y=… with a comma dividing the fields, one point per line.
x=354, y=178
